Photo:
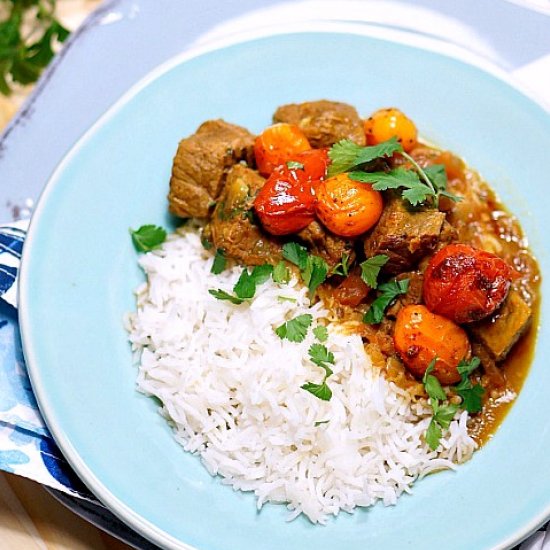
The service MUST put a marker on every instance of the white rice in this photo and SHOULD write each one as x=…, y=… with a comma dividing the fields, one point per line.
x=230, y=387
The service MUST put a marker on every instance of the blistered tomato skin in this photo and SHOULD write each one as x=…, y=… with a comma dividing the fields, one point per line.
x=285, y=203
x=465, y=284
x=276, y=145
x=346, y=207
x=387, y=123
x=421, y=336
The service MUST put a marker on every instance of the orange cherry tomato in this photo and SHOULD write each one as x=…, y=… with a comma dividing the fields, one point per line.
x=277, y=144
x=387, y=123
x=347, y=207
x=465, y=283
x=420, y=336
x=285, y=203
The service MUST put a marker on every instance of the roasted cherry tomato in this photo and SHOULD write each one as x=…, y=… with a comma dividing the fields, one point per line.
x=387, y=123
x=465, y=283
x=310, y=165
x=420, y=336
x=278, y=144
x=347, y=207
x=285, y=203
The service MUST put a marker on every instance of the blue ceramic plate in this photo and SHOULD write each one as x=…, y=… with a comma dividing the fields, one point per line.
x=80, y=269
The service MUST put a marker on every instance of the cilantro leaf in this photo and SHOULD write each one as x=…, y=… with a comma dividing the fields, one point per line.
x=433, y=434
x=294, y=165
x=437, y=175
x=444, y=414
x=148, y=237
x=315, y=273
x=281, y=273
x=319, y=422
x=223, y=295
x=472, y=398
x=245, y=287
x=261, y=273
x=346, y=155
x=295, y=330
x=371, y=267
x=295, y=253
x=432, y=384
x=320, y=355
x=342, y=267
x=321, y=391
x=219, y=263
x=465, y=368
x=321, y=333
x=387, y=293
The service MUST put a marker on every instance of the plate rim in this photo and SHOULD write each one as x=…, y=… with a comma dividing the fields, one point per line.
x=390, y=35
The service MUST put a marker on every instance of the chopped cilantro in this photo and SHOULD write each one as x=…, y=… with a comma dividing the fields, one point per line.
x=296, y=254
x=148, y=237
x=387, y=293
x=294, y=165
x=320, y=355
x=223, y=295
x=295, y=329
x=321, y=333
x=281, y=273
x=431, y=383
x=321, y=391
x=342, y=267
x=471, y=395
x=371, y=267
x=219, y=263
x=313, y=269
x=347, y=155
x=245, y=287
x=320, y=422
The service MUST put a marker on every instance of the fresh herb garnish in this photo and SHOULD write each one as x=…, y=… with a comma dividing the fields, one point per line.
x=219, y=263
x=286, y=299
x=23, y=57
x=321, y=333
x=148, y=237
x=387, y=293
x=245, y=287
x=371, y=267
x=320, y=422
x=442, y=414
x=347, y=155
x=295, y=329
x=294, y=165
x=342, y=267
x=281, y=273
x=313, y=269
x=322, y=357
x=418, y=185
x=471, y=394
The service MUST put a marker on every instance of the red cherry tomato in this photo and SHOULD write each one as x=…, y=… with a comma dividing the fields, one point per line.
x=465, y=284
x=315, y=163
x=285, y=203
x=278, y=144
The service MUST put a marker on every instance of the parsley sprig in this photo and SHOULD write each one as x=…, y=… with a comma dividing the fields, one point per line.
x=148, y=237
x=418, y=185
x=23, y=57
x=322, y=357
x=387, y=293
x=245, y=287
x=444, y=413
x=313, y=269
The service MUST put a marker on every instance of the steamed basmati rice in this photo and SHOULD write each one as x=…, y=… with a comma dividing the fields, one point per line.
x=230, y=387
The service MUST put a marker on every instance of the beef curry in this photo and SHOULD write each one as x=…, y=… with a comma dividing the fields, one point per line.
x=420, y=257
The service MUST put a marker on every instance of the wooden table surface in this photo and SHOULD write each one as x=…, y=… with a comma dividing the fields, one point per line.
x=30, y=518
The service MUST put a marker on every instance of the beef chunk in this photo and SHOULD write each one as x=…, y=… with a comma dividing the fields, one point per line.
x=503, y=329
x=201, y=164
x=323, y=122
x=233, y=228
x=404, y=234
x=323, y=243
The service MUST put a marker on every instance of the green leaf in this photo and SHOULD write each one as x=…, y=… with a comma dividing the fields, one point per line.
x=394, y=179
x=321, y=333
x=444, y=415
x=148, y=237
x=437, y=175
x=295, y=330
x=465, y=368
x=417, y=195
x=286, y=299
x=295, y=253
x=346, y=155
x=321, y=391
x=261, y=273
x=245, y=288
x=206, y=244
x=315, y=273
x=371, y=267
x=387, y=293
x=294, y=165
x=281, y=273
x=433, y=435
x=219, y=263
x=342, y=267
x=223, y=295
x=319, y=422
x=433, y=388
x=320, y=355
x=472, y=398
